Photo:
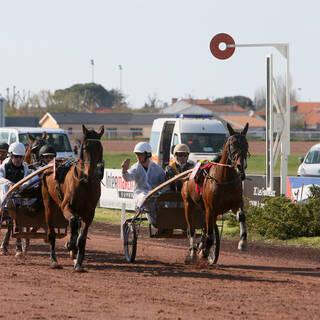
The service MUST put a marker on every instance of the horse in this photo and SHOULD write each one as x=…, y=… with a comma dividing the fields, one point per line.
x=32, y=151
x=32, y=158
x=76, y=195
x=221, y=192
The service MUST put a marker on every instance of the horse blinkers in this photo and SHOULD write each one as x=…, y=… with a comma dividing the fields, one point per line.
x=237, y=153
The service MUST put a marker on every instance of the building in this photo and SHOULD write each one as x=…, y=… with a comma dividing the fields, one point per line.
x=115, y=124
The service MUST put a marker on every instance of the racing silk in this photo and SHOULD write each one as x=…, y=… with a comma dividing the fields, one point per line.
x=144, y=180
x=13, y=173
x=10, y=174
x=175, y=169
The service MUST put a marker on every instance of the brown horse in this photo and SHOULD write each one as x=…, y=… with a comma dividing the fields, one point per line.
x=32, y=150
x=76, y=195
x=222, y=191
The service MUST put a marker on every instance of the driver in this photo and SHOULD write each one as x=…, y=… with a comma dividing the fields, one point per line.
x=3, y=151
x=12, y=170
x=146, y=174
x=46, y=154
x=181, y=163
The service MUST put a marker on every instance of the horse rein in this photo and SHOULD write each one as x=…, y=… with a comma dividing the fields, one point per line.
x=232, y=159
x=84, y=178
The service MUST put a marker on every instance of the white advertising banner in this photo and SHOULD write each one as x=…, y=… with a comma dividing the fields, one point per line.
x=115, y=191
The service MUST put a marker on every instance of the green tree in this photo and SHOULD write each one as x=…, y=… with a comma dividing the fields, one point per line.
x=241, y=101
x=88, y=97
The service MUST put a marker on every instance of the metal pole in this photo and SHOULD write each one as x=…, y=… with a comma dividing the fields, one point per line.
x=92, y=70
x=285, y=143
x=269, y=124
x=120, y=70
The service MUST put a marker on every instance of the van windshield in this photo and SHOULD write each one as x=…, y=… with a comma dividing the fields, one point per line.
x=204, y=142
x=313, y=157
x=59, y=141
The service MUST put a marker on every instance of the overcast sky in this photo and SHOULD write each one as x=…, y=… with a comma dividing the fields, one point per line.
x=162, y=46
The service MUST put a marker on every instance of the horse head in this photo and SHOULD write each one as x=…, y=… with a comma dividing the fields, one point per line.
x=91, y=151
x=35, y=144
x=238, y=149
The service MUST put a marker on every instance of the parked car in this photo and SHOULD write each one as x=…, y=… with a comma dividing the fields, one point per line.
x=310, y=165
x=59, y=138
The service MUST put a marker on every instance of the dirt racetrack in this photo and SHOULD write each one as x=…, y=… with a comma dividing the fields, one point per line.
x=267, y=282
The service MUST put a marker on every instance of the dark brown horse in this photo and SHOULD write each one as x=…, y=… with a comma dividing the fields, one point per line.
x=76, y=195
x=32, y=150
x=222, y=191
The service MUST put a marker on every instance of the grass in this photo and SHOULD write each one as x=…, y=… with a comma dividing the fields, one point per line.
x=256, y=163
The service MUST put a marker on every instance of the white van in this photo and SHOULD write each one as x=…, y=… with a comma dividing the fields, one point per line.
x=204, y=135
x=310, y=165
x=57, y=137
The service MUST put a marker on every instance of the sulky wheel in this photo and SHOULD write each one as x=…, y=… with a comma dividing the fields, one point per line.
x=215, y=249
x=129, y=241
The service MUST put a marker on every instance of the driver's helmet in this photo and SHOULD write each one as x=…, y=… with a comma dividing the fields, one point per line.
x=17, y=149
x=4, y=146
x=47, y=150
x=181, y=147
x=142, y=147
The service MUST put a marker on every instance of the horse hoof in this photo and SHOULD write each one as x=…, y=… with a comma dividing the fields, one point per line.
x=202, y=254
x=79, y=269
x=243, y=246
x=190, y=259
x=55, y=265
x=18, y=254
x=72, y=255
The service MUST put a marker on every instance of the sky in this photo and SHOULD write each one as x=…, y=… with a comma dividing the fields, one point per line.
x=162, y=46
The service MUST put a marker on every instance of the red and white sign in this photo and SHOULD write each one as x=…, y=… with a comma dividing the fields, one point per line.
x=222, y=38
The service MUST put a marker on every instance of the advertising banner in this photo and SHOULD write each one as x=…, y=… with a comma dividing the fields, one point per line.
x=254, y=188
x=115, y=191
x=299, y=187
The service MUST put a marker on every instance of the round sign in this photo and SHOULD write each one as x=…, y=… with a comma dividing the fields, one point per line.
x=215, y=43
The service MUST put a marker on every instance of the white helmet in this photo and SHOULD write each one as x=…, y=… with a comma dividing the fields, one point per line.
x=142, y=147
x=17, y=148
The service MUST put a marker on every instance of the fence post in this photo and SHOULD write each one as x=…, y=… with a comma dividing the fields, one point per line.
x=123, y=218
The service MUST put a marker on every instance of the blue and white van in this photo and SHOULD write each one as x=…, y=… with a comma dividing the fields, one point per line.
x=59, y=138
x=203, y=134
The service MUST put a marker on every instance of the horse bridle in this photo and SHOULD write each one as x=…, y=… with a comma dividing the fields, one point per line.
x=35, y=148
x=82, y=146
x=234, y=153
x=85, y=178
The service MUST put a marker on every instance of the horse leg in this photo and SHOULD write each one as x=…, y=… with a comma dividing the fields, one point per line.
x=72, y=244
x=26, y=243
x=18, y=243
x=6, y=239
x=52, y=240
x=241, y=217
x=81, y=244
x=208, y=240
x=191, y=232
x=50, y=207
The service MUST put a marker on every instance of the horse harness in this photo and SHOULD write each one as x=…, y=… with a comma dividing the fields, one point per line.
x=63, y=169
x=235, y=150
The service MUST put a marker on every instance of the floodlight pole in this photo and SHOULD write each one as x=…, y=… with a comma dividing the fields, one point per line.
x=283, y=48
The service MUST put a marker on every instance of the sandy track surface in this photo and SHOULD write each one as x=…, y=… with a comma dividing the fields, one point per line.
x=267, y=282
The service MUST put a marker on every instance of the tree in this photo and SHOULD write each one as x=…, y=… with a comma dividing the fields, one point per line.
x=280, y=82
x=88, y=97
x=153, y=105
x=241, y=101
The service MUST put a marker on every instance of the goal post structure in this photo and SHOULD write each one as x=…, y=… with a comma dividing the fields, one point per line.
x=277, y=115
